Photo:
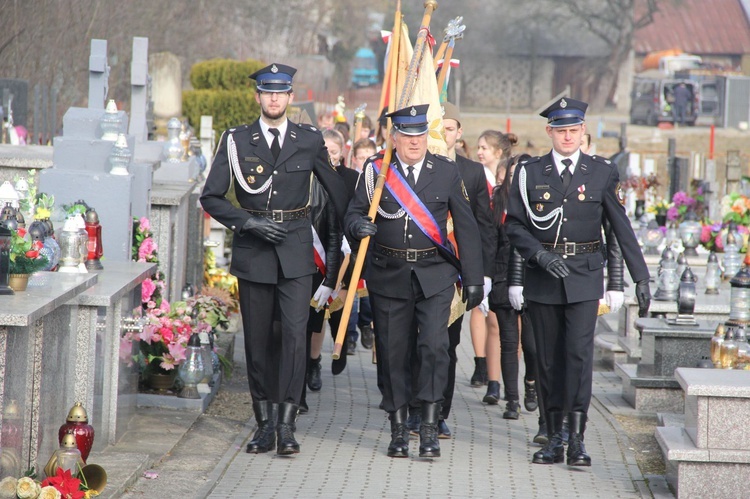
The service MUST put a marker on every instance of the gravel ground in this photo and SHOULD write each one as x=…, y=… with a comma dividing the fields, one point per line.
x=648, y=455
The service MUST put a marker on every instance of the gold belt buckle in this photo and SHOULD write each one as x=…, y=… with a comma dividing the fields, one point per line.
x=570, y=249
x=411, y=255
x=277, y=216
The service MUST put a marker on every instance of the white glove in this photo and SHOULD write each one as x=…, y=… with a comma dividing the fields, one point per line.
x=487, y=286
x=614, y=300
x=515, y=295
x=321, y=296
x=484, y=307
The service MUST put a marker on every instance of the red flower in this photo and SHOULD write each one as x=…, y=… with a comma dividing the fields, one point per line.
x=66, y=484
x=32, y=253
x=21, y=232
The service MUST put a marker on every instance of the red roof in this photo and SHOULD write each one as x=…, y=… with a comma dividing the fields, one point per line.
x=701, y=27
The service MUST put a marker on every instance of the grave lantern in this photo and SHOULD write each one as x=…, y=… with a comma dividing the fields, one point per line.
x=668, y=280
x=690, y=233
x=732, y=258
x=713, y=274
x=94, y=244
x=192, y=369
x=739, y=297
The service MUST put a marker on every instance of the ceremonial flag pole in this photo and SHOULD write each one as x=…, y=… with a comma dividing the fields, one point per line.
x=390, y=87
x=448, y=30
x=359, y=116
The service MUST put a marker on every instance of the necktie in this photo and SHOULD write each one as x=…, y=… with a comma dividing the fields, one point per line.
x=410, y=177
x=565, y=176
x=275, y=145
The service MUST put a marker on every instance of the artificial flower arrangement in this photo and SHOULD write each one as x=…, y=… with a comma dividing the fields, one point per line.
x=217, y=277
x=641, y=184
x=683, y=203
x=660, y=207
x=25, y=256
x=167, y=327
x=735, y=208
x=61, y=486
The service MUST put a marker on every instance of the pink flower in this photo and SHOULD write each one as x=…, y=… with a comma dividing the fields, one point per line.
x=177, y=351
x=719, y=243
x=147, y=333
x=705, y=233
x=146, y=249
x=147, y=290
x=144, y=224
x=673, y=213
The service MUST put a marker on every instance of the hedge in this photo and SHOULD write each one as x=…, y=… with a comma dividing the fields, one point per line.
x=224, y=74
x=224, y=91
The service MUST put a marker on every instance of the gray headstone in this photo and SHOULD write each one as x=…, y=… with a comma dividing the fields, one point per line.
x=98, y=74
x=139, y=81
x=166, y=71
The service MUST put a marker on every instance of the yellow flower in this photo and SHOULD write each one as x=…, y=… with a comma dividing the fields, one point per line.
x=90, y=493
x=42, y=213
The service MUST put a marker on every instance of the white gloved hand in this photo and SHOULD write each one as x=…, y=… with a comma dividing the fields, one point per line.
x=487, y=286
x=614, y=300
x=515, y=295
x=484, y=307
x=321, y=296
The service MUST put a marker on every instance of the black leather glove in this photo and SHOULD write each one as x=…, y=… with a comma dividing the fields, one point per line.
x=363, y=227
x=615, y=262
x=551, y=263
x=472, y=296
x=265, y=229
x=515, y=268
x=643, y=294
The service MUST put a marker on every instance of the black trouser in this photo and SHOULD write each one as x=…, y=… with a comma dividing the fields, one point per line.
x=564, y=337
x=257, y=308
x=507, y=320
x=394, y=320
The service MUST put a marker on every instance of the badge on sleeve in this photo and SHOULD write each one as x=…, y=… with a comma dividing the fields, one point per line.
x=539, y=207
x=251, y=179
x=620, y=193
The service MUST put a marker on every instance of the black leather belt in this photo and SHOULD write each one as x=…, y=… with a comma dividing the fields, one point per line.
x=410, y=255
x=279, y=216
x=572, y=248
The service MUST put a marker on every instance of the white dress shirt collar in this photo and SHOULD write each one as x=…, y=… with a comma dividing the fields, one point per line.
x=417, y=167
x=269, y=136
x=559, y=157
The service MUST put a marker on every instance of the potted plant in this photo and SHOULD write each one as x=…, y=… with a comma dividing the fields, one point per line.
x=25, y=259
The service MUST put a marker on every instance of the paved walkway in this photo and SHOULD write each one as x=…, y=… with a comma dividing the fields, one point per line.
x=344, y=439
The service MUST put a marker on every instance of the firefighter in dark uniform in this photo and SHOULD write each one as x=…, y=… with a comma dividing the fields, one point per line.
x=472, y=174
x=555, y=212
x=271, y=162
x=411, y=272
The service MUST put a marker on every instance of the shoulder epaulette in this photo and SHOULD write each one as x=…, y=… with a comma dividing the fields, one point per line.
x=240, y=128
x=445, y=158
x=530, y=161
x=599, y=159
x=309, y=128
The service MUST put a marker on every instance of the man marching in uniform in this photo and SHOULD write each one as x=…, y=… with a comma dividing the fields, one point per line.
x=555, y=212
x=271, y=162
x=411, y=272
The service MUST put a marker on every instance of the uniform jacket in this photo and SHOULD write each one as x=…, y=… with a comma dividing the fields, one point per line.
x=591, y=195
x=440, y=188
x=475, y=181
x=303, y=153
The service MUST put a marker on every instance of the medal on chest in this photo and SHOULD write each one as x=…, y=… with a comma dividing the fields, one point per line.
x=581, y=191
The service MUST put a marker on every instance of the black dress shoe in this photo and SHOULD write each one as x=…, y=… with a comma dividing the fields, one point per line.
x=303, y=408
x=286, y=444
x=530, y=401
x=366, y=337
x=314, y=381
x=492, y=397
x=444, y=432
x=351, y=347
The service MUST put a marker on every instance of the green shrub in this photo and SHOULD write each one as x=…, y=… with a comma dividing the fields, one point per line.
x=224, y=74
x=229, y=108
x=223, y=90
